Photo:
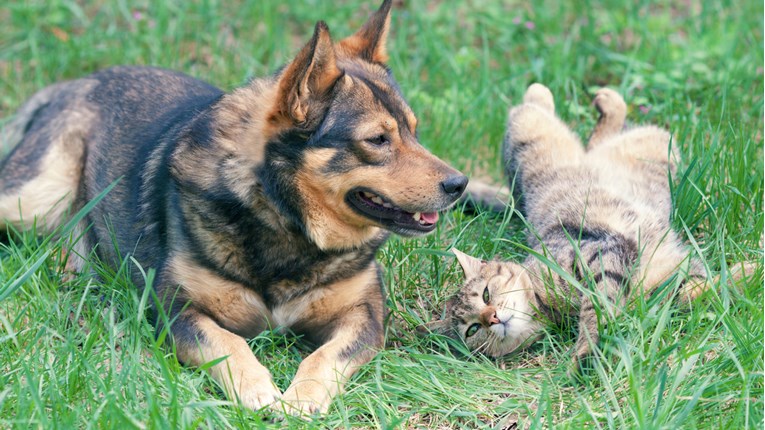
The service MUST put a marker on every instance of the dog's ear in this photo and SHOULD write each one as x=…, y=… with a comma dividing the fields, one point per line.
x=471, y=266
x=309, y=77
x=369, y=42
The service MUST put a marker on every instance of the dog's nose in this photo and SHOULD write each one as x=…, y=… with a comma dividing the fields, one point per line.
x=454, y=185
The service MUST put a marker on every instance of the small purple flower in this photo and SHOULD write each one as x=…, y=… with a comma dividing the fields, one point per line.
x=137, y=15
x=530, y=25
x=644, y=109
x=517, y=20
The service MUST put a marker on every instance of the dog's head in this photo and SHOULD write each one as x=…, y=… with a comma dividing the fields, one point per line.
x=348, y=143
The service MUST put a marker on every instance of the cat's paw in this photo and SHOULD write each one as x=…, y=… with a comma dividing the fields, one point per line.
x=610, y=103
x=540, y=95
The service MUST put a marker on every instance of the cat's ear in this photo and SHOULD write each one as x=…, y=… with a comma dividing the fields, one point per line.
x=442, y=327
x=471, y=266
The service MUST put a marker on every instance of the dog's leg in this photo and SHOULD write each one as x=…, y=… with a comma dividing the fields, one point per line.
x=199, y=339
x=44, y=193
x=348, y=317
x=204, y=315
x=40, y=177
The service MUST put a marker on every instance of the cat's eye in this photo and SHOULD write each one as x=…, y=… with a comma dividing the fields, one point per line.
x=486, y=295
x=472, y=329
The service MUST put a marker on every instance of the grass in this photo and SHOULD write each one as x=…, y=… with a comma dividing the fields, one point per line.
x=81, y=353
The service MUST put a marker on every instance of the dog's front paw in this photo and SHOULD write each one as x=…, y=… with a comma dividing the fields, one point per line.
x=260, y=396
x=254, y=392
x=305, y=398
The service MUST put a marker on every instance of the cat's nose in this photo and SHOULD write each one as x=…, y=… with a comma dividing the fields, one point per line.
x=489, y=317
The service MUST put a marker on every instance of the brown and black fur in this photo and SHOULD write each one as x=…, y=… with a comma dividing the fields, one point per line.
x=600, y=229
x=254, y=206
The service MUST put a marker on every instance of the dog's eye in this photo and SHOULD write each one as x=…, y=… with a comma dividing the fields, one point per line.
x=486, y=295
x=378, y=140
x=472, y=329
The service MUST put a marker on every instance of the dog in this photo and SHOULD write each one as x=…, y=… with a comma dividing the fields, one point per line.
x=259, y=208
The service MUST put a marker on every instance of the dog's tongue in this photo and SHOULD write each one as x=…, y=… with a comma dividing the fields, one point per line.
x=430, y=217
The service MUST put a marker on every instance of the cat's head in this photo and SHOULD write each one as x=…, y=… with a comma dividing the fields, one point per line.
x=494, y=310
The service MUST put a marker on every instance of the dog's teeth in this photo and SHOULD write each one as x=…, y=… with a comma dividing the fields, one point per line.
x=368, y=195
x=377, y=200
x=387, y=205
x=416, y=216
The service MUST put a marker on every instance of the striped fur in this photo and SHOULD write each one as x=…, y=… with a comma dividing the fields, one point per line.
x=600, y=214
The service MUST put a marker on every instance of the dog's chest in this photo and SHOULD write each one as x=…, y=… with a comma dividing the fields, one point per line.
x=274, y=301
x=304, y=276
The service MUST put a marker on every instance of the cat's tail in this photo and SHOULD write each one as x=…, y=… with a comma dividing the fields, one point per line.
x=693, y=287
x=486, y=197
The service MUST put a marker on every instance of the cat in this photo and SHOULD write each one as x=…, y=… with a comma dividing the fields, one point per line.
x=600, y=215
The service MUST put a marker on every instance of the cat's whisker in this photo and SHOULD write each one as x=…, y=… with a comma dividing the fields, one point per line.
x=481, y=347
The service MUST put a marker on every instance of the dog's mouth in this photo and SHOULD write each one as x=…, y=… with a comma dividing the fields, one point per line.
x=391, y=217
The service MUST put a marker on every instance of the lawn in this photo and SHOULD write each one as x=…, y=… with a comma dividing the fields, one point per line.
x=81, y=354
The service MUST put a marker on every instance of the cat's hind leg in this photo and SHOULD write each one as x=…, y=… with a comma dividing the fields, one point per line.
x=613, y=112
x=639, y=148
x=539, y=95
x=639, y=163
x=633, y=146
x=537, y=143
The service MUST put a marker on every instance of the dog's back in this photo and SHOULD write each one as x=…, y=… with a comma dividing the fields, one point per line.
x=73, y=139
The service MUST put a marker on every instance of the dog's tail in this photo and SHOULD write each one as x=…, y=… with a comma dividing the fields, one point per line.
x=486, y=197
x=12, y=132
